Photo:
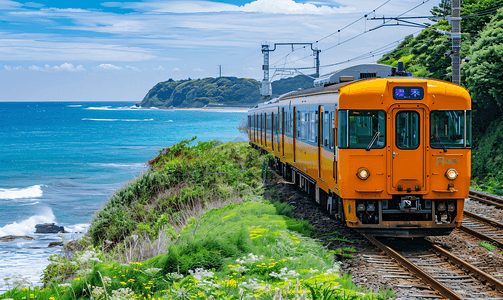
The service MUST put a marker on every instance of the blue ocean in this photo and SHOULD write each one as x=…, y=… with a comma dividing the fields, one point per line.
x=61, y=161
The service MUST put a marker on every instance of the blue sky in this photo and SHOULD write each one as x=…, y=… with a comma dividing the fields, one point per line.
x=106, y=50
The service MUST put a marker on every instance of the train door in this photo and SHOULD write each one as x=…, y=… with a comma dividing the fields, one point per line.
x=278, y=131
x=319, y=139
x=274, y=129
x=294, y=134
x=407, y=155
x=283, y=131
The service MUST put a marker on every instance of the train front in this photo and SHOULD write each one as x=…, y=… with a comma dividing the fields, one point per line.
x=404, y=155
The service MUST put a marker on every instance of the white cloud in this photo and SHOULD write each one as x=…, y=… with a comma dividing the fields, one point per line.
x=133, y=68
x=35, y=68
x=13, y=68
x=198, y=70
x=159, y=68
x=176, y=70
x=33, y=5
x=291, y=7
x=258, y=6
x=7, y=4
x=109, y=67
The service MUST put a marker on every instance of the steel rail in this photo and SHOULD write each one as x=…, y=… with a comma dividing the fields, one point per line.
x=439, y=287
x=493, y=282
x=493, y=200
x=482, y=236
x=482, y=219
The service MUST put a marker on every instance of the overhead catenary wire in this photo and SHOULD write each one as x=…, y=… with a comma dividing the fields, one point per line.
x=356, y=36
x=364, y=16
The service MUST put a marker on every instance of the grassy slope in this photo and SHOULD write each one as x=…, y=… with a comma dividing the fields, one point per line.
x=241, y=249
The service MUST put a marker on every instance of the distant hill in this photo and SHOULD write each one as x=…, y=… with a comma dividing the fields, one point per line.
x=227, y=91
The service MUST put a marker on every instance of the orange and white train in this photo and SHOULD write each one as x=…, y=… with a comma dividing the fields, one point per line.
x=388, y=154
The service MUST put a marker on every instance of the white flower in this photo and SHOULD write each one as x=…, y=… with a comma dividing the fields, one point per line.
x=284, y=274
x=64, y=285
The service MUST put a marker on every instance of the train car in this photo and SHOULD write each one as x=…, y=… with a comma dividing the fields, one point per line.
x=389, y=155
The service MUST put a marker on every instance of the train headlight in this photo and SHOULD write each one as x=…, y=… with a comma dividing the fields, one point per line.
x=451, y=174
x=363, y=173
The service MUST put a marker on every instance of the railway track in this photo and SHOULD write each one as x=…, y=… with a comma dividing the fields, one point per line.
x=483, y=228
x=487, y=199
x=433, y=271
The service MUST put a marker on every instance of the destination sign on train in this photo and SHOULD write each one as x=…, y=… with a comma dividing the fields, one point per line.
x=408, y=92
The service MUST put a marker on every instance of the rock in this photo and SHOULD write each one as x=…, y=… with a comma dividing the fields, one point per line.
x=49, y=228
x=54, y=244
x=10, y=238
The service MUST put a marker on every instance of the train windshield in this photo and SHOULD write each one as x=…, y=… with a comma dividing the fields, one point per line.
x=361, y=129
x=451, y=129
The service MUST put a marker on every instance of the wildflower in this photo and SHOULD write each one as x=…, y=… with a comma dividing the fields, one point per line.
x=25, y=288
x=123, y=283
x=131, y=280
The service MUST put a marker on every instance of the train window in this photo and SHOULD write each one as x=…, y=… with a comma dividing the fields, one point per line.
x=305, y=125
x=450, y=129
x=359, y=129
x=332, y=130
x=311, y=130
x=299, y=124
x=407, y=130
x=343, y=128
x=326, y=129
x=269, y=123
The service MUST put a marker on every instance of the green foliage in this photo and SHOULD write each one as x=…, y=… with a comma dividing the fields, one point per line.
x=216, y=91
x=484, y=73
x=236, y=252
x=488, y=246
x=181, y=176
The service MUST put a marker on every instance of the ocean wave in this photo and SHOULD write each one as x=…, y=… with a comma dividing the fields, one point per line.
x=76, y=105
x=29, y=192
x=30, y=204
x=109, y=120
x=133, y=165
x=77, y=228
x=108, y=107
x=27, y=226
x=99, y=108
x=123, y=120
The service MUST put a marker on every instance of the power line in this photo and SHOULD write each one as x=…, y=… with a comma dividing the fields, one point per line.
x=338, y=31
x=424, y=1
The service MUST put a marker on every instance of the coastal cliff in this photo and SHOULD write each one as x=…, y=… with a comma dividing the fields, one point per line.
x=221, y=91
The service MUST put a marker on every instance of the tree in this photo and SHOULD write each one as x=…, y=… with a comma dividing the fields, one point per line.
x=443, y=9
x=484, y=74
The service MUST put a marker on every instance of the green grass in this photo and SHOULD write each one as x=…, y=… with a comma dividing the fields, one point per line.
x=177, y=247
x=487, y=245
x=240, y=250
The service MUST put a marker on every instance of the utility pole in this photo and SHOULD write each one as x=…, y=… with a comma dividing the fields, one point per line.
x=455, y=34
x=456, y=41
x=219, y=71
x=266, y=90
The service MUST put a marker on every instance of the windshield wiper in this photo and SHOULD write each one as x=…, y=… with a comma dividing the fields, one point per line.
x=374, y=138
x=440, y=141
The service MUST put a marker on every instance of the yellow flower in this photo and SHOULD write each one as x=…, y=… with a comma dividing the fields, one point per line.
x=131, y=280
x=122, y=282
x=148, y=287
x=25, y=288
x=51, y=298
